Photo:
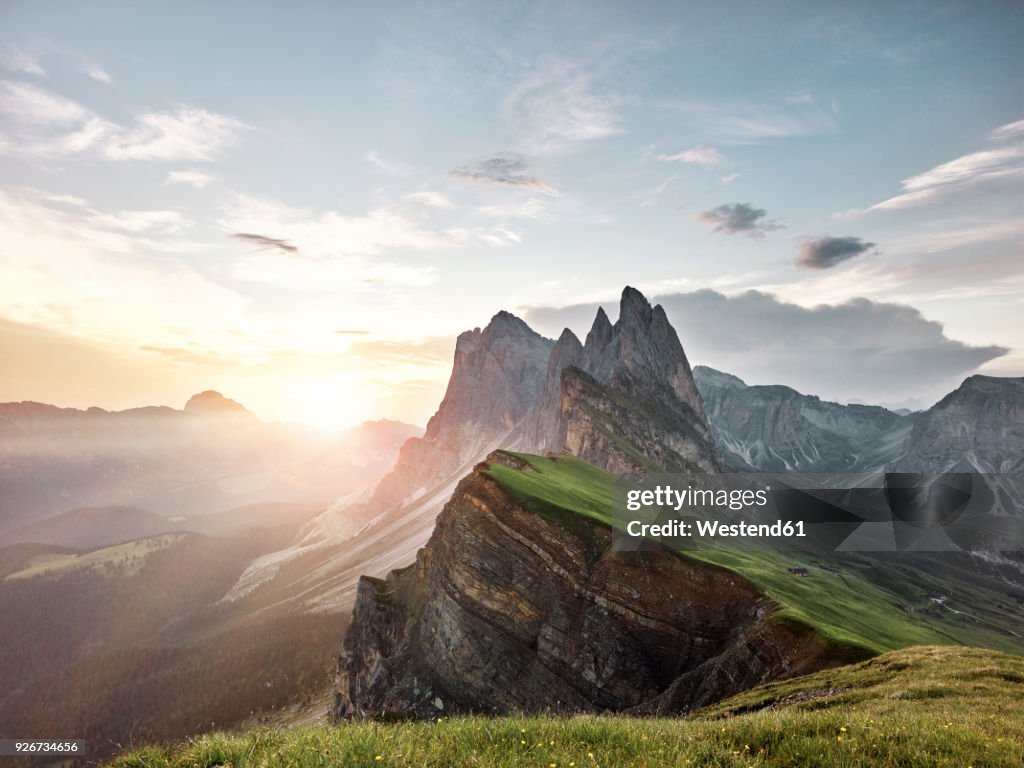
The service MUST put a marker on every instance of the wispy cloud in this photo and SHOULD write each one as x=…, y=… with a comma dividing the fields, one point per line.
x=507, y=169
x=96, y=72
x=185, y=133
x=558, y=104
x=1008, y=131
x=265, y=243
x=827, y=252
x=164, y=222
x=391, y=167
x=956, y=176
x=17, y=59
x=430, y=199
x=752, y=122
x=655, y=194
x=44, y=124
x=973, y=172
x=706, y=156
x=739, y=219
x=327, y=233
x=195, y=179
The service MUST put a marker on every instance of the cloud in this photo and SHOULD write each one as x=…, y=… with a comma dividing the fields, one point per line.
x=22, y=102
x=827, y=252
x=706, y=156
x=264, y=243
x=119, y=288
x=558, y=105
x=430, y=199
x=97, y=72
x=506, y=169
x=327, y=233
x=392, y=167
x=19, y=60
x=738, y=218
x=971, y=173
x=1008, y=131
x=192, y=178
x=655, y=194
x=756, y=122
x=164, y=222
x=44, y=124
x=186, y=133
x=874, y=351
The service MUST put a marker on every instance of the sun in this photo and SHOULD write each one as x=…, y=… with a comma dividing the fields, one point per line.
x=326, y=402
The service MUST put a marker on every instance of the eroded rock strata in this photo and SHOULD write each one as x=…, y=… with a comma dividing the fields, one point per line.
x=506, y=609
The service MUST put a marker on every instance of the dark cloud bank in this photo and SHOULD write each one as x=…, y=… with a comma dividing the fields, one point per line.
x=866, y=350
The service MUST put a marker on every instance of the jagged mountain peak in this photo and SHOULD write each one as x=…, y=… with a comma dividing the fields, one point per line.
x=600, y=332
x=504, y=323
x=634, y=307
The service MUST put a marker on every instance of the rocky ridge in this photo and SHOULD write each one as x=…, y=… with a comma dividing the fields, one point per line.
x=775, y=428
x=506, y=610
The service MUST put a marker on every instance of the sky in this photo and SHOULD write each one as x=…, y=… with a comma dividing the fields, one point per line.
x=302, y=204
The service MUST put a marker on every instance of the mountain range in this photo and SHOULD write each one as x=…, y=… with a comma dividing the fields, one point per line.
x=473, y=558
x=517, y=601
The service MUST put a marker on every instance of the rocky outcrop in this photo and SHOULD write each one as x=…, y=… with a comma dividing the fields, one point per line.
x=977, y=427
x=774, y=428
x=509, y=610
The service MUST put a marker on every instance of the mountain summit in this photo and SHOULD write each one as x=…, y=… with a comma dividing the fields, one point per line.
x=212, y=402
x=625, y=400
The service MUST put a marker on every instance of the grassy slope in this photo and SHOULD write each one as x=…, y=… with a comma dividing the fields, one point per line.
x=924, y=706
x=130, y=555
x=862, y=602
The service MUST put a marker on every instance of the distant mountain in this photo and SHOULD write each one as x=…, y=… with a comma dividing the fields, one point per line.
x=977, y=427
x=775, y=428
x=212, y=456
x=131, y=642
x=211, y=402
x=92, y=527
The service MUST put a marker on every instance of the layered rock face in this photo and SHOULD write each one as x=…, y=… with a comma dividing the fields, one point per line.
x=507, y=610
x=625, y=400
x=977, y=427
x=775, y=428
x=497, y=377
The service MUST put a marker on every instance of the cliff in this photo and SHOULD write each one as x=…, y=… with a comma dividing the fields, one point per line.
x=514, y=606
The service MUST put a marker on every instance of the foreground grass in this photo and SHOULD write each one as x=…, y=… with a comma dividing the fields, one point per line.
x=926, y=706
